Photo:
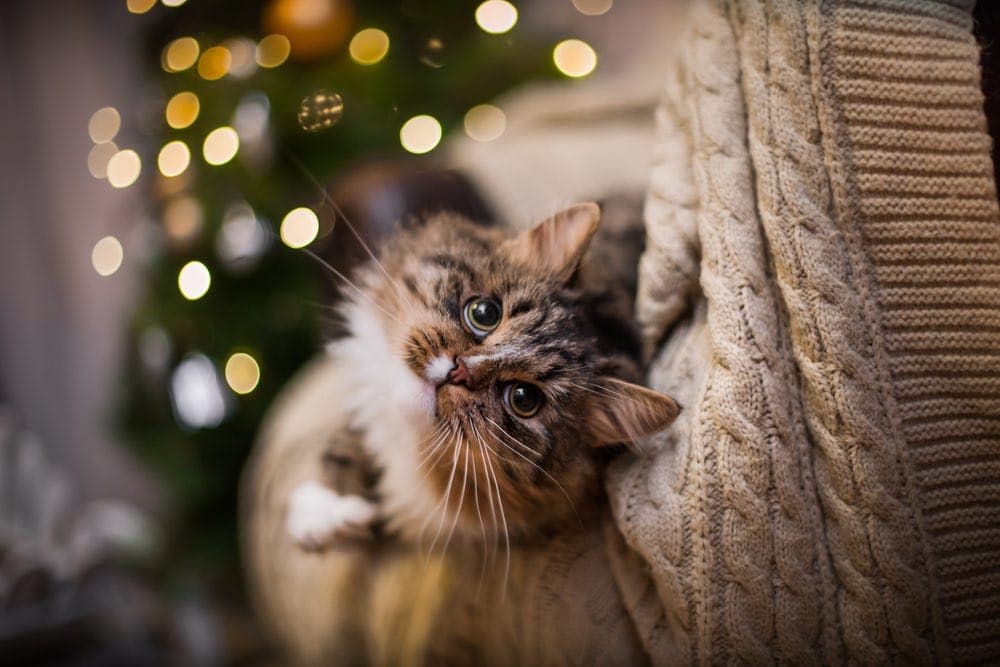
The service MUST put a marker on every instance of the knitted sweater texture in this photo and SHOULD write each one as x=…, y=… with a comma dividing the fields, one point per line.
x=823, y=189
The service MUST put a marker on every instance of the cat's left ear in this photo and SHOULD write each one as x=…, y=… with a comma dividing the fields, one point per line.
x=623, y=412
x=556, y=245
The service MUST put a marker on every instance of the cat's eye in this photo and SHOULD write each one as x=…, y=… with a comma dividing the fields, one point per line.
x=481, y=315
x=524, y=399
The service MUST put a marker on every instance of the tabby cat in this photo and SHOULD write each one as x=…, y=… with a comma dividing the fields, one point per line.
x=490, y=377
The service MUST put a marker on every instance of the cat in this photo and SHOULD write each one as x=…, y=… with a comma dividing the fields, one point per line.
x=491, y=375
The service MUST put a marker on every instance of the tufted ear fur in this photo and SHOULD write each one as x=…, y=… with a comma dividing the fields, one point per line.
x=624, y=412
x=556, y=245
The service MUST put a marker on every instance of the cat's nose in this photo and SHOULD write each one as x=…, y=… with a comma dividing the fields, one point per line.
x=460, y=373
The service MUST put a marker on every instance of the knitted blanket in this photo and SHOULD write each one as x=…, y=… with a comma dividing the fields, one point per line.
x=823, y=191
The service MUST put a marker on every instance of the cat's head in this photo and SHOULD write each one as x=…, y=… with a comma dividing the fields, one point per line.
x=516, y=394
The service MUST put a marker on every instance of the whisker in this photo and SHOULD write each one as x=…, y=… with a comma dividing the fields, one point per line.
x=495, y=529
x=503, y=518
x=461, y=499
x=328, y=200
x=348, y=281
x=532, y=463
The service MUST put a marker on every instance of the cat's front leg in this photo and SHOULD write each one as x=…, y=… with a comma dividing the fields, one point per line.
x=318, y=516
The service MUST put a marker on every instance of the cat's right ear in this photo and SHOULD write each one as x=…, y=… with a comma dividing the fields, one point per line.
x=557, y=244
x=623, y=412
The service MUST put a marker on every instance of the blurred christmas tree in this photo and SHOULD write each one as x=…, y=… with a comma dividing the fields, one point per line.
x=255, y=103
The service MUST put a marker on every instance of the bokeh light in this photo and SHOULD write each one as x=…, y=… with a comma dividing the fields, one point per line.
x=273, y=50
x=174, y=158
x=574, y=58
x=243, y=238
x=420, y=134
x=139, y=6
x=173, y=3
x=299, y=228
x=320, y=111
x=496, y=16
x=593, y=7
x=104, y=125
x=369, y=46
x=182, y=219
x=99, y=157
x=485, y=122
x=242, y=373
x=194, y=280
x=182, y=110
x=107, y=256
x=221, y=145
x=214, y=63
x=180, y=54
x=241, y=52
x=124, y=168
x=196, y=393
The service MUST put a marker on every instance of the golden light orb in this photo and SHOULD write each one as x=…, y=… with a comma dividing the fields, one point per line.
x=273, y=50
x=214, y=63
x=593, y=7
x=221, y=145
x=107, y=256
x=299, y=228
x=485, y=122
x=124, y=168
x=174, y=158
x=194, y=280
x=98, y=158
x=496, y=16
x=182, y=219
x=139, y=6
x=104, y=125
x=182, y=110
x=180, y=54
x=242, y=373
x=173, y=3
x=369, y=46
x=420, y=134
x=574, y=58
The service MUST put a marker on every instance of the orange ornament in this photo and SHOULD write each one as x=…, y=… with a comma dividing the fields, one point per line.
x=315, y=28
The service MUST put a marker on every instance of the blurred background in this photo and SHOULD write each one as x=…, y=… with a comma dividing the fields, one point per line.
x=174, y=177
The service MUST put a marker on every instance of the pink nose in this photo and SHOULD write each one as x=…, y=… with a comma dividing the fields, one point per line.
x=460, y=373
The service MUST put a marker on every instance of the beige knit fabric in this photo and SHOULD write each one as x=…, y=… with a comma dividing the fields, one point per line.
x=831, y=492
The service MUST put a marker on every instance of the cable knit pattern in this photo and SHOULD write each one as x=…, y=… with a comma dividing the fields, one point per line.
x=835, y=490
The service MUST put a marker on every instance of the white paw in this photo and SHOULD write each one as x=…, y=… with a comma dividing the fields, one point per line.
x=318, y=515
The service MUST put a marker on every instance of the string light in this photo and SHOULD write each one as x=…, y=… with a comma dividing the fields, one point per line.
x=273, y=50
x=420, y=134
x=214, y=63
x=485, y=122
x=107, y=256
x=104, y=125
x=98, y=158
x=124, y=168
x=369, y=46
x=194, y=280
x=139, y=6
x=242, y=373
x=574, y=58
x=221, y=145
x=299, y=228
x=593, y=7
x=496, y=16
x=182, y=110
x=180, y=54
x=174, y=158
x=196, y=393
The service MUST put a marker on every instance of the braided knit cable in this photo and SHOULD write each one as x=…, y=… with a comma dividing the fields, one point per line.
x=757, y=490
x=881, y=603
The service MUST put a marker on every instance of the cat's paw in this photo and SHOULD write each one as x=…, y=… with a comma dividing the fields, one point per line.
x=317, y=516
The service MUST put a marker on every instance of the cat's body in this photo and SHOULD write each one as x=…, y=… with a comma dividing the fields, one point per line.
x=487, y=374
